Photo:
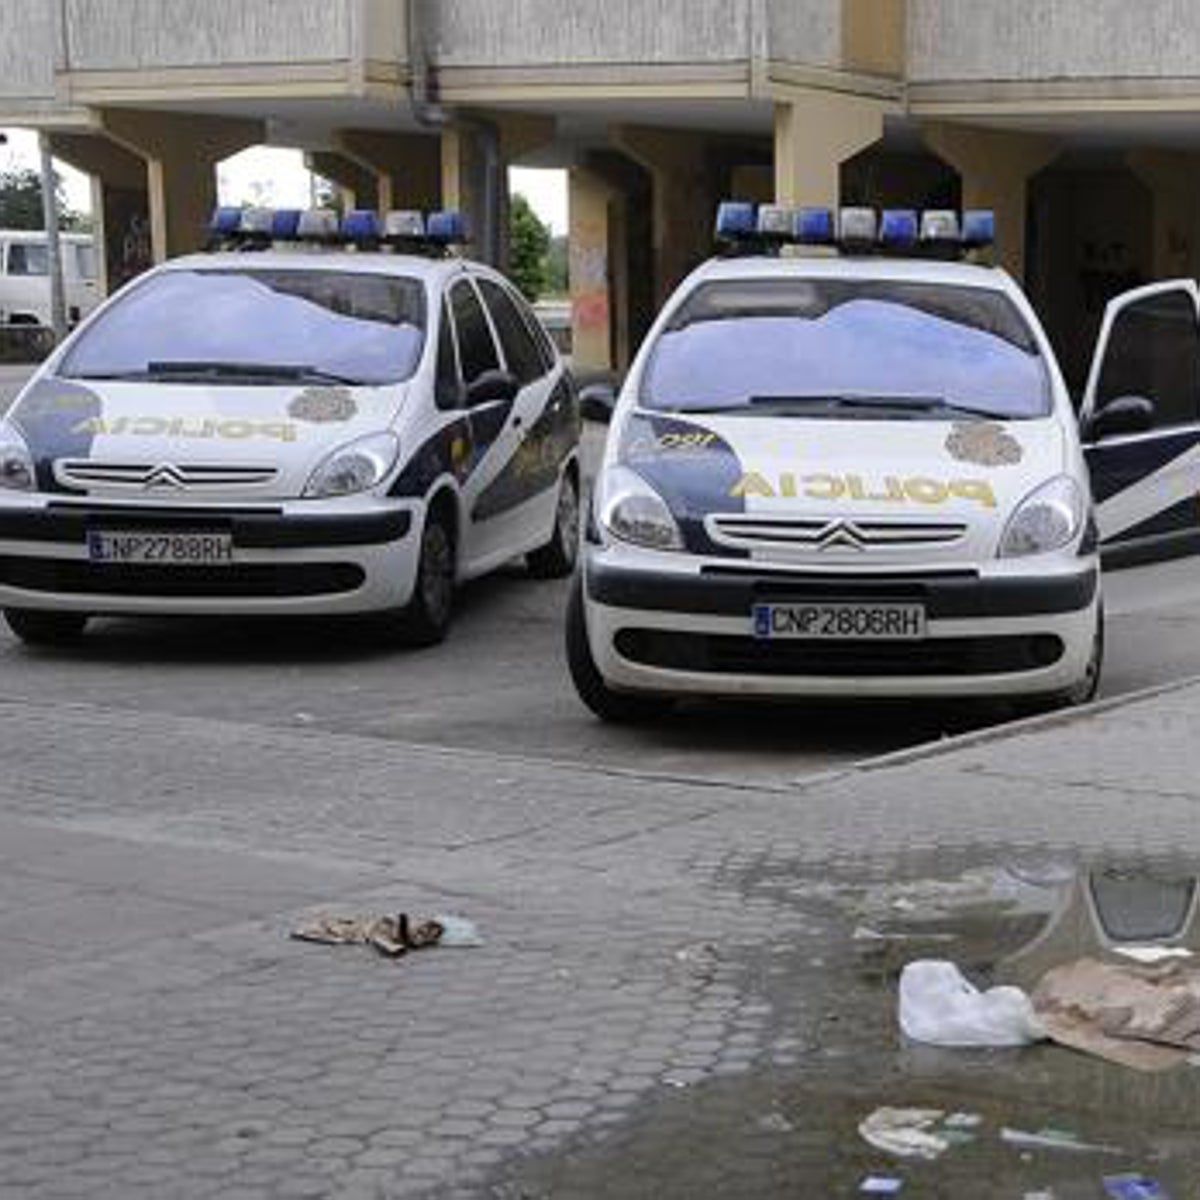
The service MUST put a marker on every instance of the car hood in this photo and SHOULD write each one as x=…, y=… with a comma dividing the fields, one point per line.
x=789, y=488
x=187, y=442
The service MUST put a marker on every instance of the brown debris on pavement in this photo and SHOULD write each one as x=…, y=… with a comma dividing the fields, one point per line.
x=391, y=936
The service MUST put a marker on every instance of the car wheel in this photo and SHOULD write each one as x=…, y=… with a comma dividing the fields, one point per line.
x=557, y=558
x=45, y=628
x=621, y=708
x=426, y=618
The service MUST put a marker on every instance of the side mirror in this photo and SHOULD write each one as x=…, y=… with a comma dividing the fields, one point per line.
x=597, y=401
x=493, y=387
x=1125, y=414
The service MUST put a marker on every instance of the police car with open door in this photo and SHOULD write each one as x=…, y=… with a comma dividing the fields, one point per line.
x=850, y=475
x=313, y=419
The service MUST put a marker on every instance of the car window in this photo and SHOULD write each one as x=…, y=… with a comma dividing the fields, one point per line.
x=1154, y=351
x=812, y=344
x=28, y=258
x=364, y=328
x=520, y=350
x=447, y=386
x=476, y=348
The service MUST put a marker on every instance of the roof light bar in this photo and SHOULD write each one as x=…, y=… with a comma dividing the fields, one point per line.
x=747, y=228
x=408, y=230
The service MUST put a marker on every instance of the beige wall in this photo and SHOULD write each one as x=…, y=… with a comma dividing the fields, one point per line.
x=106, y=35
x=27, y=49
x=963, y=40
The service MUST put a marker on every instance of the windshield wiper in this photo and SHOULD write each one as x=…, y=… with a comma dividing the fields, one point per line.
x=290, y=372
x=854, y=402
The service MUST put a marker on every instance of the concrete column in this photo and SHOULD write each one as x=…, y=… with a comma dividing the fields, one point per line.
x=406, y=167
x=120, y=204
x=181, y=152
x=359, y=187
x=684, y=197
x=996, y=166
x=1171, y=177
x=590, y=271
x=815, y=132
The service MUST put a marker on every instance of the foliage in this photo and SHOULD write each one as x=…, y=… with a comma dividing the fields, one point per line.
x=558, y=281
x=530, y=246
x=21, y=202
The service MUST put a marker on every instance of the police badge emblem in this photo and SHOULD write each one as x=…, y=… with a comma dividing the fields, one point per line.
x=985, y=444
x=322, y=405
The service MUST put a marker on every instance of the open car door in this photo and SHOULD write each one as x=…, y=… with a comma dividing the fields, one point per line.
x=1140, y=423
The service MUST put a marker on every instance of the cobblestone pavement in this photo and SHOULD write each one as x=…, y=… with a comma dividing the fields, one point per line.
x=666, y=1000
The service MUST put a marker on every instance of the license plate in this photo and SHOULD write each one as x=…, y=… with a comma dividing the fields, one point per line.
x=165, y=549
x=840, y=622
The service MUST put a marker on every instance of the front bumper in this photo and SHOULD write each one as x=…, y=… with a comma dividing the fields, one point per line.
x=318, y=557
x=659, y=628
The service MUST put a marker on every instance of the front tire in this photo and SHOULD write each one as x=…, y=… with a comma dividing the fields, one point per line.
x=426, y=619
x=45, y=628
x=558, y=557
x=619, y=708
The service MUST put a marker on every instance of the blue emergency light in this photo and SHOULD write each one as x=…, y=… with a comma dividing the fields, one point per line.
x=361, y=225
x=745, y=228
x=285, y=224
x=736, y=220
x=226, y=221
x=898, y=228
x=446, y=228
x=814, y=227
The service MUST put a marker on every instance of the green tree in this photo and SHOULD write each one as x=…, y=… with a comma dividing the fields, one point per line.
x=21, y=202
x=530, y=238
x=558, y=281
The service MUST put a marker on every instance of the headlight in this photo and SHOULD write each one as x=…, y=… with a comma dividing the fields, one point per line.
x=16, y=463
x=630, y=509
x=1047, y=519
x=356, y=467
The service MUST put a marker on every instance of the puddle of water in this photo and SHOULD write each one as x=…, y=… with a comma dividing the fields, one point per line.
x=789, y=1125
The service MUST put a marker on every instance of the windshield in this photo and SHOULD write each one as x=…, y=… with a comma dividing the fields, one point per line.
x=820, y=347
x=259, y=326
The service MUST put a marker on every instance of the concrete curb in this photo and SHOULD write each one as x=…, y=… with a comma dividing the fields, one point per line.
x=1009, y=729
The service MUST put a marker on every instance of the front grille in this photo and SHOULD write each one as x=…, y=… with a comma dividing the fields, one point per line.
x=246, y=580
x=755, y=531
x=86, y=474
x=725, y=654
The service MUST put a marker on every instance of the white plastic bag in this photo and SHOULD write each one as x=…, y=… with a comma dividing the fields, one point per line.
x=939, y=1006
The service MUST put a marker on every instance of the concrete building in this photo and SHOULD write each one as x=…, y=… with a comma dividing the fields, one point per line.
x=1078, y=120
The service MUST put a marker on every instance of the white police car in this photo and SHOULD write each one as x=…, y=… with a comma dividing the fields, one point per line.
x=348, y=421
x=854, y=475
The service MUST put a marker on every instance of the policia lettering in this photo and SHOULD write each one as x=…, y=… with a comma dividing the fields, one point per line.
x=182, y=427
x=821, y=486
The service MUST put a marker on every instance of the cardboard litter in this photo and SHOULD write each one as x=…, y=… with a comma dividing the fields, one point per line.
x=1141, y=1016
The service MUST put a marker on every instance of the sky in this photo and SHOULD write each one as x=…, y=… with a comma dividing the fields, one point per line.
x=275, y=177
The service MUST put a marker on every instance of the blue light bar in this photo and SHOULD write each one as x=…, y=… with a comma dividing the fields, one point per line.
x=285, y=223
x=814, y=227
x=736, y=219
x=978, y=228
x=445, y=228
x=226, y=221
x=361, y=225
x=898, y=228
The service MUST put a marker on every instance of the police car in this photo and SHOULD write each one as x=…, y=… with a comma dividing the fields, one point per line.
x=315, y=418
x=846, y=474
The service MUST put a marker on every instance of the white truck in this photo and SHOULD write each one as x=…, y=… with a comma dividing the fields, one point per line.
x=25, y=277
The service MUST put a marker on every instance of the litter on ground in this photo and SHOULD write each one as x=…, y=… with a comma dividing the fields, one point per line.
x=1133, y=1187
x=1053, y=1139
x=942, y=1008
x=391, y=936
x=881, y=1185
